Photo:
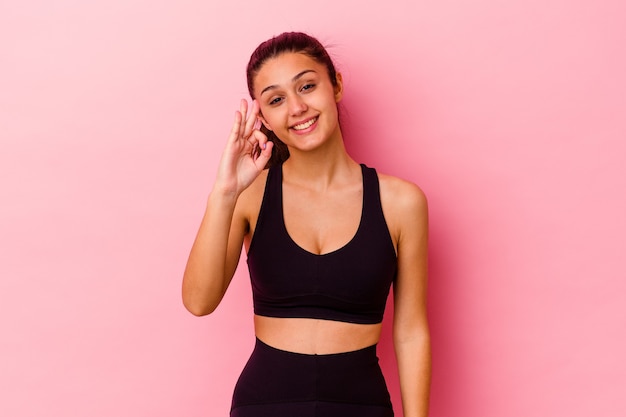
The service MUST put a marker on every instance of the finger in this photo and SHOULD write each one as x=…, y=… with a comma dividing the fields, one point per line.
x=259, y=138
x=252, y=118
x=243, y=109
x=265, y=155
x=234, y=133
x=258, y=123
x=260, y=144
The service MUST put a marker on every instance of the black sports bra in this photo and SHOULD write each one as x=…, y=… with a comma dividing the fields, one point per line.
x=350, y=284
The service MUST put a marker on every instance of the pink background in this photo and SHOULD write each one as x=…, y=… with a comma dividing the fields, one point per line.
x=509, y=114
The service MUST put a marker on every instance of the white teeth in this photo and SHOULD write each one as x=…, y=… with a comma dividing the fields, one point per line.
x=305, y=124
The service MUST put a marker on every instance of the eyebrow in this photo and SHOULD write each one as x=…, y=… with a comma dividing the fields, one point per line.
x=293, y=80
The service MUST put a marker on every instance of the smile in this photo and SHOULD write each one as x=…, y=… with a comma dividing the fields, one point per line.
x=305, y=125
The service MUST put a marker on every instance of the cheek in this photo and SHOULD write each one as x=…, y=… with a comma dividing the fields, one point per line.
x=268, y=121
x=265, y=115
x=272, y=119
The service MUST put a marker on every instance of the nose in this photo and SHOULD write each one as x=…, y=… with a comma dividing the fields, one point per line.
x=297, y=106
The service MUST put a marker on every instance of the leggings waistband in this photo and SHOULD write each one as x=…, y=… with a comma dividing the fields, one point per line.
x=275, y=376
x=366, y=351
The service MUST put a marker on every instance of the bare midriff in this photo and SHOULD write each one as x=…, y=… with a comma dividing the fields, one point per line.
x=314, y=336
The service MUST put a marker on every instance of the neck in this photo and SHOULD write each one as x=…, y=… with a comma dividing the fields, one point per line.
x=321, y=168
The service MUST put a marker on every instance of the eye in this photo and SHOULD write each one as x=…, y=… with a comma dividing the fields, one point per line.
x=275, y=101
x=307, y=87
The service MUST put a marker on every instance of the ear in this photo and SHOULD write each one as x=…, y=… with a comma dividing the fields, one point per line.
x=262, y=119
x=338, y=88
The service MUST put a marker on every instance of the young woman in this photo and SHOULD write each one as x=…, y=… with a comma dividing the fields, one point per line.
x=325, y=238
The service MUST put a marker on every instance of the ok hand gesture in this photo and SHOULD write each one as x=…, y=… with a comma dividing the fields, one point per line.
x=246, y=154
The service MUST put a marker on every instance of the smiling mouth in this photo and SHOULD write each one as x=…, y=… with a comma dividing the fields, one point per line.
x=305, y=125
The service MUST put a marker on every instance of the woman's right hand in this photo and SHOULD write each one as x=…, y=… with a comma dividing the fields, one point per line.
x=217, y=248
x=246, y=153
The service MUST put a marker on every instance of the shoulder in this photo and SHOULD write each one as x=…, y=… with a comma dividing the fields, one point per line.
x=401, y=195
x=404, y=204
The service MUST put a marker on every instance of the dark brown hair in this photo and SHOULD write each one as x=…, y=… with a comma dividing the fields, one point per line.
x=286, y=42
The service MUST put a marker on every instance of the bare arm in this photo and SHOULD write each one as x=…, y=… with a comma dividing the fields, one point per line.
x=217, y=247
x=410, y=328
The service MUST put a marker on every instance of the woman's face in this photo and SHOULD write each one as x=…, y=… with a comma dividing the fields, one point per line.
x=298, y=101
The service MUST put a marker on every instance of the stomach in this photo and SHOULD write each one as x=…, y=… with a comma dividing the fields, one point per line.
x=315, y=336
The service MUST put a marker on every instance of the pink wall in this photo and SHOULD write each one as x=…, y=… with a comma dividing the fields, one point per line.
x=509, y=114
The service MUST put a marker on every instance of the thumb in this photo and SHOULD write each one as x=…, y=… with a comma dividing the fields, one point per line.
x=265, y=155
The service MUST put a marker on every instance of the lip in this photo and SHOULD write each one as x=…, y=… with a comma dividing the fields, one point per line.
x=308, y=129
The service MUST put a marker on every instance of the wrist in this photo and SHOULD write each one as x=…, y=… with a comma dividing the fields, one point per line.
x=224, y=196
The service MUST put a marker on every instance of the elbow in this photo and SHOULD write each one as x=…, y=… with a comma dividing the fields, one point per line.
x=200, y=300
x=198, y=310
x=197, y=307
x=414, y=334
x=197, y=300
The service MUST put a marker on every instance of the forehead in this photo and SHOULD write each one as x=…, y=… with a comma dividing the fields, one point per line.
x=280, y=70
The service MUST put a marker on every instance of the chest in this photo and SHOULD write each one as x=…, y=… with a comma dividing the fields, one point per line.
x=322, y=222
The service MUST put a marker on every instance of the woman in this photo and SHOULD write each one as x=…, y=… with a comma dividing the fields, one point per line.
x=325, y=238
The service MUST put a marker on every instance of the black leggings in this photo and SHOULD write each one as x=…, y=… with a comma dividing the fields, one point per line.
x=277, y=383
